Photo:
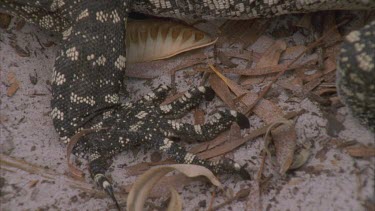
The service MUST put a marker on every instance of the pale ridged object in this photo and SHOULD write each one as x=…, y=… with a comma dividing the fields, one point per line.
x=148, y=40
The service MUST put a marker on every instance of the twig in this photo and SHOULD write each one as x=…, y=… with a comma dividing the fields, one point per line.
x=261, y=168
x=240, y=194
x=11, y=162
x=211, y=201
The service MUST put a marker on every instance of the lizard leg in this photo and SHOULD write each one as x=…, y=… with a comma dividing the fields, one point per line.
x=189, y=100
x=37, y=15
x=356, y=73
x=180, y=155
x=156, y=96
x=220, y=122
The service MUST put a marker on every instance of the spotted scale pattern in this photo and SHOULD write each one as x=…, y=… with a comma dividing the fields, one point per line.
x=89, y=70
x=146, y=123
x=356, y=75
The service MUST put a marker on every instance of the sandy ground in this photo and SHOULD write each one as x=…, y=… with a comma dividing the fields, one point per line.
x=330, y=179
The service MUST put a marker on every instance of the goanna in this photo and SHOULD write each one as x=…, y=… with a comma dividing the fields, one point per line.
x=88, y=76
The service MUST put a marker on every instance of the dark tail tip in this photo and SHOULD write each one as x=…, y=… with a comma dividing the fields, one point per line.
x=244, y=174
x=242, y=121
x=209, y=94
x=103, y=182
x=109, y=190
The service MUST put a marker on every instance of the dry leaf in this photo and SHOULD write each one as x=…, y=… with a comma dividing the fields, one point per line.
x=223, y=137
x=285, y=140
x=272, y=54
x=305, y=21
x=294, y=85
x=21, y=52
x=240, y=54
x=177, y=181
x=265, y=109
x=236, y=89
x=5, y=20
x=254, y=202
x=175, y=203
x=142, y=167
x=199, y=117
x=222, y=91
x=153, y=40
x=153, y=69
x=229, y=146
x=14, y=84
x=295, y=181
x=225, y=60
x=270, y=57
x=300, y=159
x=361, y=151
x=144, y=183
x=32, y=183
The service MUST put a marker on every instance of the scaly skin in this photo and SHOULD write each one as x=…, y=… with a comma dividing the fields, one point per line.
x=88, y=75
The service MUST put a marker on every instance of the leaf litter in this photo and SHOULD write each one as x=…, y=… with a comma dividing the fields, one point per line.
x=236, y=96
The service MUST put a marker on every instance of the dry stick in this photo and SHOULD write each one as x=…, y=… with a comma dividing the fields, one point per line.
x=238, y=195
x=261, y=168
x=8, y=161
x=311, y=46
x=260, y=71
x=211, y=201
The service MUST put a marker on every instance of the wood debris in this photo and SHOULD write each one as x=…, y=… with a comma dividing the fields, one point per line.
x=285, y=140
x=360, y=151
x=14, y=84
x=5, y=20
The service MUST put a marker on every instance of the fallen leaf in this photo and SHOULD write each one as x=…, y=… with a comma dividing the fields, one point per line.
x=148, y=40
x=294, y=85
x=175, y=202
x=222, y=90
x=295, y=181
x=272, y=54
x=285, y=140
x=32, y=183
x=270, y=57
x=5, y=20
x=265, y=109
x=300, y=159
x=240, y=54
x=20, y=51
x=305, y=21
x=225, y=60
x=14, y=84
x=361, y=151
x=142, y=167
x=254, y=202
x=144, y=183
x=233, y=144
x=153, y=69
x=199, y=117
